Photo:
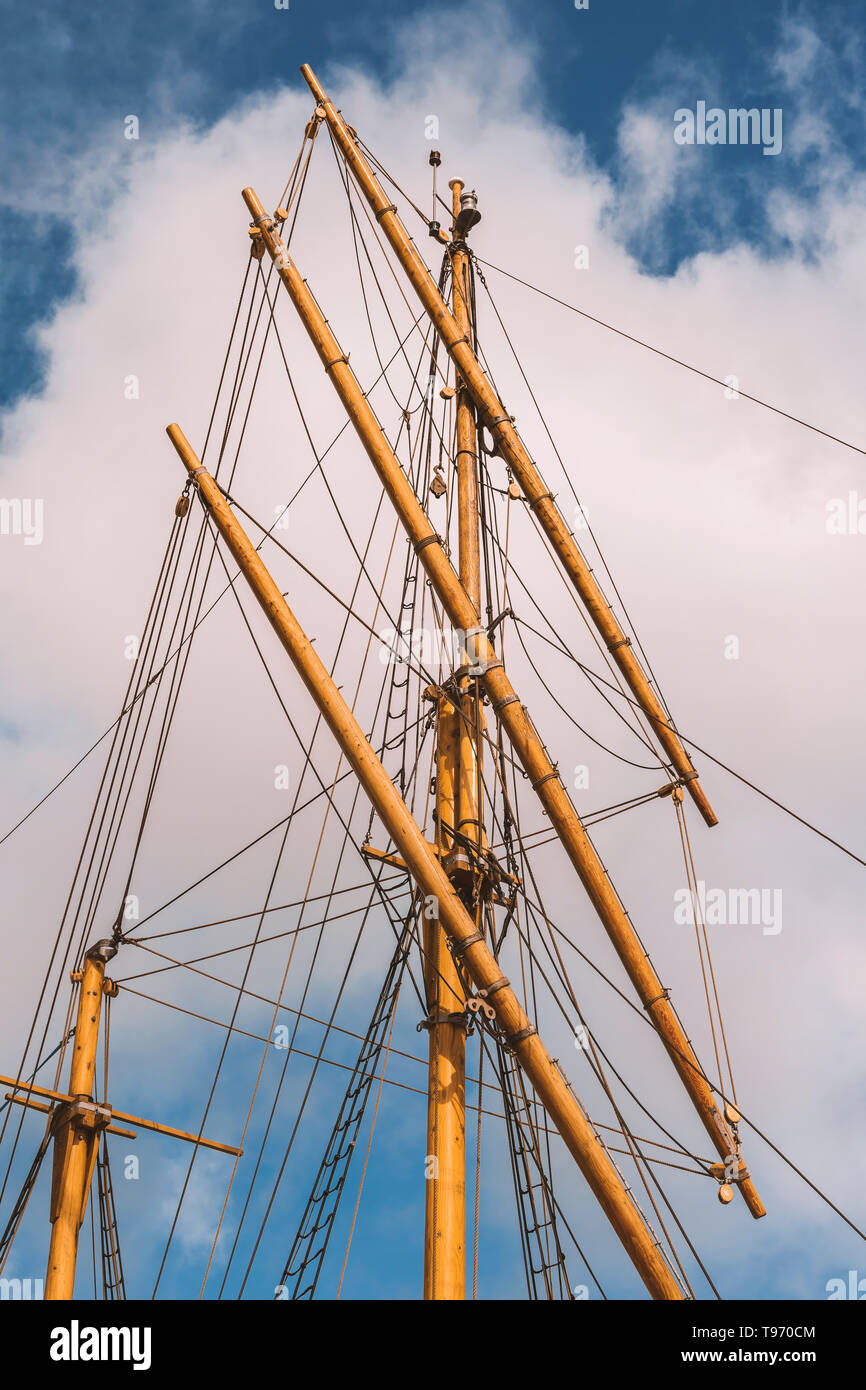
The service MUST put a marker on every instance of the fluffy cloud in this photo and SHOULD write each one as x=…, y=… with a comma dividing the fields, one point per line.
x=711, y=513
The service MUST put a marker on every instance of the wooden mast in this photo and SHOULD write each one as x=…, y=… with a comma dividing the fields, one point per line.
x=419, y=856
x=77, y=1127
x=458, y=782
x=78, y=1123
x=493, y=415
x=469, y=811
x=513, y=716
x=445, y=1164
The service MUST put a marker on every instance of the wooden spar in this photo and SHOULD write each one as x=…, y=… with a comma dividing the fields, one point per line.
x=469, y=817
x=469, y=546
x=506, y=705
x=28, y=1090
x=49, y=1110
x=78, y=1123
x=495, y=419
x=445, y=1167
x=76, y=1131
x=419, y=856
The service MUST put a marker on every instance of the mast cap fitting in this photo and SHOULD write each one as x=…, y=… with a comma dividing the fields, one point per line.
x=104, y=950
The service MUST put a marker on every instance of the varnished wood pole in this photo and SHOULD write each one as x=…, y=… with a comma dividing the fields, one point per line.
x=421, y=860
x=458, y=781
x=469, y=809
x=75, y=1141
x=24, y=1091
x=506, y=705
x=445, y=1167
x=493, y=415
x=469, y=545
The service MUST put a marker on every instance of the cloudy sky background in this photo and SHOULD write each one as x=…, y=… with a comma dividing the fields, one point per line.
x=126, y=257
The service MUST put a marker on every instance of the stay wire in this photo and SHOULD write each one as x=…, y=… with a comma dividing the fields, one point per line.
x=595, y=676
x=688, y=366
x=567, y=476
x=308, y=751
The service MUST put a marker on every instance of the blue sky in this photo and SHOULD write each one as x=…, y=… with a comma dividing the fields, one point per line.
x=743, y=240
x=70, y=71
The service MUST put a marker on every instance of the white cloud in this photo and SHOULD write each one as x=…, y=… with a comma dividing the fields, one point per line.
x=711, y=513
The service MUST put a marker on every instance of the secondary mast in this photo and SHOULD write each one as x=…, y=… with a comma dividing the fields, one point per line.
x=77, y=1127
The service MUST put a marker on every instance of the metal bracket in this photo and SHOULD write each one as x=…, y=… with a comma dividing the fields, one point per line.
x=83, y=1113
x=543, y=497
x=434, y=1018
x=506, y=613
x=492, y=989
x=670, y=788
x=476, y=1005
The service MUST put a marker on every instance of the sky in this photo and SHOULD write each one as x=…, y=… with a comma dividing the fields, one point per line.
x=123, y=258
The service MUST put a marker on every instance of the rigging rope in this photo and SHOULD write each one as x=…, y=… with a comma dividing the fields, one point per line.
x=595, y=676
x=689, y=367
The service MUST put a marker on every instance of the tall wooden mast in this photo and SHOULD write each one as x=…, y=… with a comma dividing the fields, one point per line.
x=445, y=1165
x=422, y=862
x=458, y=808
x=469, y=808
x=513, y=716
